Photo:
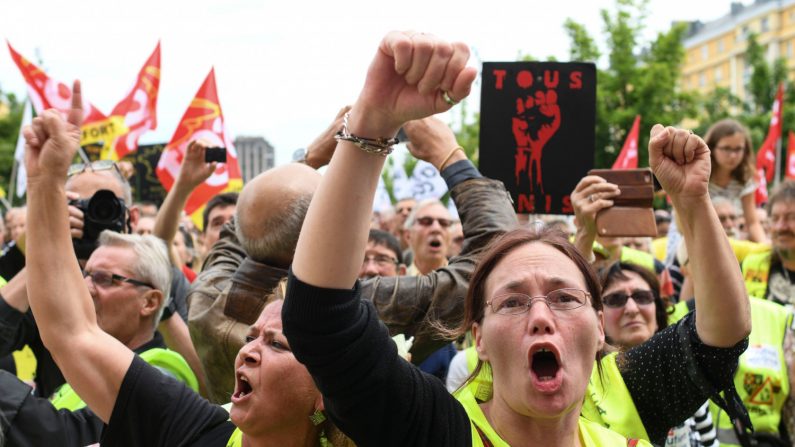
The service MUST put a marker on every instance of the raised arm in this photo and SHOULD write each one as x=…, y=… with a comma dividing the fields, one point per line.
x=680, y=160
x=193, y=172
x=93, y=362
x=406, y=80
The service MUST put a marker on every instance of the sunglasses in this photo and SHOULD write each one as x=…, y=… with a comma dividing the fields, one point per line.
x=619, y=299
x=105, y=279
x=428, y=221
x=100, y=165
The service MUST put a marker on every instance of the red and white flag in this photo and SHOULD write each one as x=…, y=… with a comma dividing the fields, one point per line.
x=628, y=158
x=136, y=113
x=47, y=93
x=790, y=173
x=766, y=155
x=202, y=120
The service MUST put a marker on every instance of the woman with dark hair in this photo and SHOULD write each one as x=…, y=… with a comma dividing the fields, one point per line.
x=534, y=303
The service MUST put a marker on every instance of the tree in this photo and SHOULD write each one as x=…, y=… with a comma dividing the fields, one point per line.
x=9, y=132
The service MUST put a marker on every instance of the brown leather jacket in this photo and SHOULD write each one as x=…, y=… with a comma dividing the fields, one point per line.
x=228, y=295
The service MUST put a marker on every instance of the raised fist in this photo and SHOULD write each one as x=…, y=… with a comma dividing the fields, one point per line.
x=680, y=161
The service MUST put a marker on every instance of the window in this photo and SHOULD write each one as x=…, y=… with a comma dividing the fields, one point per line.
x=789, y=48
x=764, y=24
x=702, y=80
x=704, y=52
x=718, y=74
x=720, y=46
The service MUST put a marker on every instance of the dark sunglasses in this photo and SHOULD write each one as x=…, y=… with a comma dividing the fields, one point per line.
x=428, y=221
x=619, y=299
x=105, y=279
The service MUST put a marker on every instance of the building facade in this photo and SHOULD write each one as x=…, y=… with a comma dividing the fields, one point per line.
x=254, y=155
x=715, y=50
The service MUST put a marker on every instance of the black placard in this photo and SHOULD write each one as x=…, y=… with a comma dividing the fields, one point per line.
x=537, y=130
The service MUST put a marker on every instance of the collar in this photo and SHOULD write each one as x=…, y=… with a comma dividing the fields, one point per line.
x=156, y=342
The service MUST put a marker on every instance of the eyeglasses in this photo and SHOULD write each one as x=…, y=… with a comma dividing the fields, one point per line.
x=105, y=279
x=95, y=166
x=428, y=221
x=731, y=150
x=380, y=260
x=519, y=303
x=619, y=299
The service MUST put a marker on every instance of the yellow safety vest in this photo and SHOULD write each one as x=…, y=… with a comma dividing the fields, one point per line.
x=659, y=247
x=484, y=435
x=756, y=269
x=169, y=362
x=761, y=379
x=25, y=363
x=741, y=249
x=610, y=395
x=608, y=402
x=637, y=257
x=677, y=312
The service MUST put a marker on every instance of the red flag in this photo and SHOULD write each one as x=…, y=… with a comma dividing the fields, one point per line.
x=628, y=158
x=203, y=119
x=47, y=93
x=137, y=111
x=760, y=196
x=766, y=156
x=790, y=173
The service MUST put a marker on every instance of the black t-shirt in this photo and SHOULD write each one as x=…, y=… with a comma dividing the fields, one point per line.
x=153, y=409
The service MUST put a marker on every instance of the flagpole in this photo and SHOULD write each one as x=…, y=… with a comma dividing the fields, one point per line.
x=13, y=185
x=777, y=178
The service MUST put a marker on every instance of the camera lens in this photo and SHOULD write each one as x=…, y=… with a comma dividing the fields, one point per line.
x=105, y=208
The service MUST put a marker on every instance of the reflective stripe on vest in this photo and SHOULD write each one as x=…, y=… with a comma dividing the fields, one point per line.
x=623, y=418
x=756, y=268
x=167, y=361
x=761, y=379
x=608, y=402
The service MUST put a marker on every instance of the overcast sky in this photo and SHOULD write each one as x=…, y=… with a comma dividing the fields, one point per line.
x=283, y=68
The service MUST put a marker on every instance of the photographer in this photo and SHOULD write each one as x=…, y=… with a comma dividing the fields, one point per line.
x=100, y=199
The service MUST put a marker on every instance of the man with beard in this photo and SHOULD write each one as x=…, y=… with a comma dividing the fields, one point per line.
x=771, y=274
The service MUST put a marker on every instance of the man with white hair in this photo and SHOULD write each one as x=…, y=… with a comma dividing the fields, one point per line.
x=428, y=236
x=128, y=277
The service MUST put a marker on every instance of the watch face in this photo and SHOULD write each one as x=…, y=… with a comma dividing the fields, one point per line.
x=299, y=154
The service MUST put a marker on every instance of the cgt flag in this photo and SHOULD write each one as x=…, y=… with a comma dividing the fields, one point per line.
x=766, y=156
x=790, y=173
x=202, y=120
x=135, y=114
x=47, y=93
x=628, y=158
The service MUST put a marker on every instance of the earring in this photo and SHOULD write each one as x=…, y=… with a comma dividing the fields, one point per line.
x=318, y=417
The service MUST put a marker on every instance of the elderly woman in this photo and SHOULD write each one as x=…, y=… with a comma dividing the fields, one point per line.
x=275, y=400
x=534, y=304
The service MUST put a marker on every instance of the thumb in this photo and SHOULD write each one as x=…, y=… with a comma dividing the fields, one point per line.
x=658, y=139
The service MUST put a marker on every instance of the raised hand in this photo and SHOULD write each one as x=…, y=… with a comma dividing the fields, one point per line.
x=407, y=80
x=52, y=142
x=194, y=170
x=432, y=140
x=680, y=161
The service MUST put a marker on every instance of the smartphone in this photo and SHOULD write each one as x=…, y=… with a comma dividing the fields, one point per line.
x=631, y=213
x=212, y=154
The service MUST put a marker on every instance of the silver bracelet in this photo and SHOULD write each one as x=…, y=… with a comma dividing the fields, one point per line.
x=380, y=146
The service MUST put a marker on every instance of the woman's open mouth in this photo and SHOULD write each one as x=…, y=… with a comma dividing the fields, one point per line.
x=242, y=388
x=545, y=369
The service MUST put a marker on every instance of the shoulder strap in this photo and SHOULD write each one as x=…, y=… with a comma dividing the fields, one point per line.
x=732, y=404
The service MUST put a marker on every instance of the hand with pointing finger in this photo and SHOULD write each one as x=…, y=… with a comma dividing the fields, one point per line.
x=52, y=142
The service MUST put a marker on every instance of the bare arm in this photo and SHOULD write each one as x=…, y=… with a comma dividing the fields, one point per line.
x=755, y=231
x=193, y=172
x=93, y=362
x=15, y=292
x=403, y=83
x=680, y=160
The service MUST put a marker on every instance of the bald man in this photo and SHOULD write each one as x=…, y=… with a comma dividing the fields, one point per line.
x=256, y=249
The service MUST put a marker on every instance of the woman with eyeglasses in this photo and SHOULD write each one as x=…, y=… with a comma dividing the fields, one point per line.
x=534, y=303
x=633, y=313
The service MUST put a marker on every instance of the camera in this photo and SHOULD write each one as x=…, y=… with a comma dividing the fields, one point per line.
x=212, y=154
x=103, y=211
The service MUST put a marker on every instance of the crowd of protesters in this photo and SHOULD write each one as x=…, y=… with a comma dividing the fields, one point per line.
x=296, y=316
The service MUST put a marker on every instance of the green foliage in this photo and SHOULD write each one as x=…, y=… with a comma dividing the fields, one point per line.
x=9, y=132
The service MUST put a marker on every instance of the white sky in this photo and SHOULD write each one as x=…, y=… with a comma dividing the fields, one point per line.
x=283, y=68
